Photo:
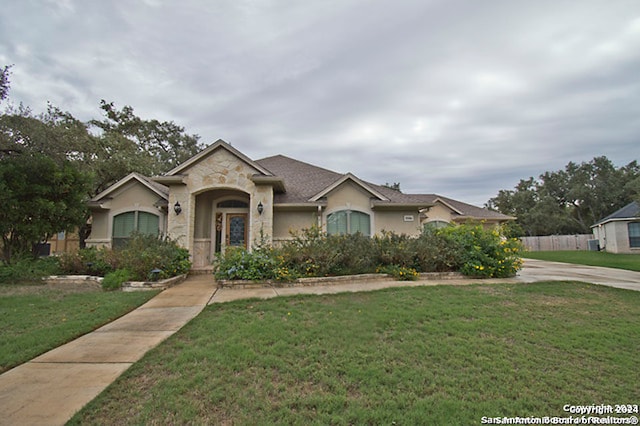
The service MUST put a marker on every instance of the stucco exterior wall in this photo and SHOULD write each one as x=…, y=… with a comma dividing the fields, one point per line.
x=438, y=212
x=99, y=230
x=400, y=222
x=285, y=222
x=348, y=196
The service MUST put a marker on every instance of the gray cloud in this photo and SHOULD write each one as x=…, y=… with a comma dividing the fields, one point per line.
x=455, y=97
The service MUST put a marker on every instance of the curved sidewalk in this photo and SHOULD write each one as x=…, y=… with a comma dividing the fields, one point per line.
x=49, y=389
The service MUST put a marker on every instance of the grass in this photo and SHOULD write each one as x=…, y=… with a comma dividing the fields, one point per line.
x=426, y=355
x=36, y=318
x=592, y=258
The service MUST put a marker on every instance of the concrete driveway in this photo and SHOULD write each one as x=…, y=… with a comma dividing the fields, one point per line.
x=538, y=270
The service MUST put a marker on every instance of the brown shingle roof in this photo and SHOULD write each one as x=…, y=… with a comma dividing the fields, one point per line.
x=303, y=181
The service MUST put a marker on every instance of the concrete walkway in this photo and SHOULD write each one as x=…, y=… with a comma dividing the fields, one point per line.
x=534, y=270
x=49, y=389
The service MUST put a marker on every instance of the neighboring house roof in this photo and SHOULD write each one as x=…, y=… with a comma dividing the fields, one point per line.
x=629, y=212
x=464, y=210
x=161, y=190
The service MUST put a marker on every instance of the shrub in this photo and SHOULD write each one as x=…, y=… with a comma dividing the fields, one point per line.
x=140, y=255
x=400, y=273
x=89, y=261
x=394, y=249
x=144, y=253
x=485, y=253
x=114, y=280
x=469, y=249
x=261, y=264
x=28, y=269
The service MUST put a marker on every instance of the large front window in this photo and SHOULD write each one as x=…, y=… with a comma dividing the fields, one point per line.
x=634, y=235
x=348, y=222
x=125, y=224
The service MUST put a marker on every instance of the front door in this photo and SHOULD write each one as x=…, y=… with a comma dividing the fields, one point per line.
x=236, y=235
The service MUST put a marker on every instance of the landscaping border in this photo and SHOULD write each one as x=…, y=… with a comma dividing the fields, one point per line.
x=334, y=280
x=96, y=282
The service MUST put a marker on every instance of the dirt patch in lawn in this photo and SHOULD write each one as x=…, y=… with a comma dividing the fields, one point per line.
x=43, y=288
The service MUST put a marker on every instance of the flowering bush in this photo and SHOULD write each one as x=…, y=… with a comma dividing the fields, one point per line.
x=485, y=253
x=469, y=249
x=400, y=273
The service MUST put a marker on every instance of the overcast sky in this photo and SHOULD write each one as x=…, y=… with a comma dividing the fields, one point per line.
x=459, y=98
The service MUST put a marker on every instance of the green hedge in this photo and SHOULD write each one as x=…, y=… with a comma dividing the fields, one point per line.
x=469, y=249
x=141, y=255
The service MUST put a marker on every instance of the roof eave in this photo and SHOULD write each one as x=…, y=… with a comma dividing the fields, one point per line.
x=170, y=180
x=390, y=205
x=299, y=206
x=616, y=219
x=276, y=181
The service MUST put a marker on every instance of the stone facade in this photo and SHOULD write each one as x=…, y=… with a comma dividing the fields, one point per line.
x=222, y=172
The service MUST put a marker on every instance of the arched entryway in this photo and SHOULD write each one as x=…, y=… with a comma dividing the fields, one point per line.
x=222, y=220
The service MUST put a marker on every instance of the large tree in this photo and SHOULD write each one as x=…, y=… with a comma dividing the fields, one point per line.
x=162, y=145
x=569, y=201
x=40, y=198
x=107, y=150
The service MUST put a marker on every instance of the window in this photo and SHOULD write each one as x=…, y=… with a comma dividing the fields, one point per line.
x=126, y=223
x=436, y=224
x=634, y=234
x=348, y=222
x=233, y=204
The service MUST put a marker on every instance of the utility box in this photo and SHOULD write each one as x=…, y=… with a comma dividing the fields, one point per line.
x=593, y=245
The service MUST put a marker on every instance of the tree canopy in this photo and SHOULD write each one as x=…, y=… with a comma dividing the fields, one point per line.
x=569, y=201
x=97, y=153
x=40, y=198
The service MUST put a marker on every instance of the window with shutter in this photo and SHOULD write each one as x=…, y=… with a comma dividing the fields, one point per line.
x=148, y=223
x=359, y=222
x=125, y=224
x=348, y=222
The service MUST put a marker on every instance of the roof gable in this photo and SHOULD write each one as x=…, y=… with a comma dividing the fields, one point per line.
x=219, y=144
x=161, y=190
x=343, y=179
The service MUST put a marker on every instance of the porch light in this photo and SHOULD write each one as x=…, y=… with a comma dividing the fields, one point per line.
x=177, y=208
x=260, y=207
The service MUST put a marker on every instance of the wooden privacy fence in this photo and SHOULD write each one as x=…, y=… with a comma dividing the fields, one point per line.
x=557, y=242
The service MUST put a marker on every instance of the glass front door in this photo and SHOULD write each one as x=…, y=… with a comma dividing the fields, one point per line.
x=236, y=230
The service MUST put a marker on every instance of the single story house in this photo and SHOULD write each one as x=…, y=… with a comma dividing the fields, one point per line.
x=620, y=231
x=221, y=198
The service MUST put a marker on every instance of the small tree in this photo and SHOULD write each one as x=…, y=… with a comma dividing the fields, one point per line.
x=39, y=199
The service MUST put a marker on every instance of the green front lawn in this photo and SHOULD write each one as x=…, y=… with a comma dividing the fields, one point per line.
x=35, y=318
x=592, y=258
x=426, y=355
